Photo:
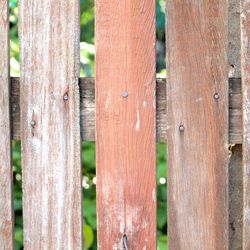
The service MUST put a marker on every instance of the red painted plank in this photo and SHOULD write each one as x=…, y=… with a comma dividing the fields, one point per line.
x=245, y=68
x=197, y=115
x=125, y=123
x=6, y=199
x=50, y=131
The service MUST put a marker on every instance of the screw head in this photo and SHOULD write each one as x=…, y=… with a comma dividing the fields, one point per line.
x=33, y=123
x=181, y=128
x=216, y=96
x=124, y=94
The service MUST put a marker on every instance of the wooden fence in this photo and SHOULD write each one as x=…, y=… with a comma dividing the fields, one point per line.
x=197, y=111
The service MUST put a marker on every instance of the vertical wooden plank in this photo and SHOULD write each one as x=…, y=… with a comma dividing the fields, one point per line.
x=245, y=71
x=197, y=104
x=6, y=201
x=50, y=133
x=125, y=123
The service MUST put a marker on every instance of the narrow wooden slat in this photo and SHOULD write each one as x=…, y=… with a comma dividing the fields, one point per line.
x=50, y=131
x=87, y=106
x=125, y=123
x=196, y=39
x=245, y=68
x=6, y=199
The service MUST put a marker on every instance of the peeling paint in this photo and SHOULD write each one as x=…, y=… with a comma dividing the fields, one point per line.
x=107, y=102
x=199, y=99
x=137, y=127
x=35, y=144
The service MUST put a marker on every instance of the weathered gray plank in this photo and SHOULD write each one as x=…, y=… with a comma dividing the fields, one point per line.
x=235, y=128
x=234, y=38
x=235, y=197
x=87, y=99
x=6, y=199
x=245, y=69
x=197, y=115
x=50, y=131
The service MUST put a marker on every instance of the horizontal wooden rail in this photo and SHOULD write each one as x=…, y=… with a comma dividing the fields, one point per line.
x=87, y=99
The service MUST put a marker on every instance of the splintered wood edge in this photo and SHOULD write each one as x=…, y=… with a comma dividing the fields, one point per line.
x=87, y=109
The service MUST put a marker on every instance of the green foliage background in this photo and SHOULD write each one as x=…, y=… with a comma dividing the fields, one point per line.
x=88, y=148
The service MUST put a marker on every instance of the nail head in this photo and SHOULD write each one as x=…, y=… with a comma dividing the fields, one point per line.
x=216, y=96
x=125, y=242
x=33, y=123
x=181, y=128
x=125, y=94
x=65, y=97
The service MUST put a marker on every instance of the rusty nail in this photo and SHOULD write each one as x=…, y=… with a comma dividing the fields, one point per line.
x=216, y=96
x=125, y=94
x=181, y=128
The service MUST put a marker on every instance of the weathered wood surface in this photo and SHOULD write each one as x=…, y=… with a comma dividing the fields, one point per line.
x=245, y=67
x=234, y=38
x=50, y=131
x=87, y=98
x=235, y=198
x=6, y=199
x=235, y=128
x=125, y=125
x=197, y=66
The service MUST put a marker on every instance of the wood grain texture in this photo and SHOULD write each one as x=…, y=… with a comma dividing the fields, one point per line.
x=234, y=38
x=245, y=72
x=6, y=199
x=196, y=39
x=87, y=107
x=235, y=128
x=50, y=131
x=125, y=126
x=235, y=198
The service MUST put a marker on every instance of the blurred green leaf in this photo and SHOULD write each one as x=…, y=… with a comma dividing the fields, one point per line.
x=161, y=214
x=89, y=207
x=88, y=236
x=17, y=205
x=162, y=242
x=18, y=238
